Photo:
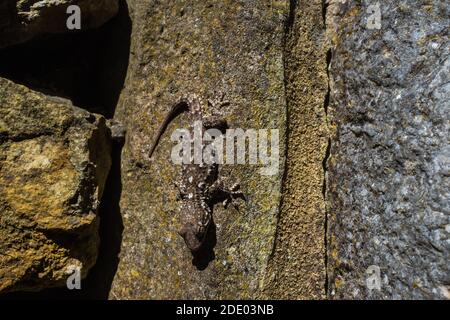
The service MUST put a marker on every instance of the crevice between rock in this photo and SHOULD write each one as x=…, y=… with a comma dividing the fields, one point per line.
x=325, y=5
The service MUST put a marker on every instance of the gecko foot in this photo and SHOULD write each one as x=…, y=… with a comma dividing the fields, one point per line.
x=226, y=195
x=218, y=101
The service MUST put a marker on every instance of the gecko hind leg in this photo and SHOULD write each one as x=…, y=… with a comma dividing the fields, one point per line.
x=227, y=194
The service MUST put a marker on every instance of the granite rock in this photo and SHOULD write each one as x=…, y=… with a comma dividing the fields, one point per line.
x=388, y=175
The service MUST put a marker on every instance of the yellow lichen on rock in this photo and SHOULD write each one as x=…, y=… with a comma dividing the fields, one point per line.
x=54, y=160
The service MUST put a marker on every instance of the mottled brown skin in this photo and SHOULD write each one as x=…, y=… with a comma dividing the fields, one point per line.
x=200, y=186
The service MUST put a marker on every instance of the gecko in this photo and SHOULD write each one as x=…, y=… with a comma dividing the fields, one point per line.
x=200, y=186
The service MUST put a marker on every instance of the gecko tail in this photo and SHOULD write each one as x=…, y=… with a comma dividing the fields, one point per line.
x=179, y=107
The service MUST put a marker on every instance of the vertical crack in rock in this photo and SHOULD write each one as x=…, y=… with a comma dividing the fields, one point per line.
x=328, y=150
x=324, y=191
x=290, y=20
x=287, y=30
x=296, y=268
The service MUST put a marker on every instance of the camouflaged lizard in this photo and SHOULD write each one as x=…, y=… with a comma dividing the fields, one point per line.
x=200, y=186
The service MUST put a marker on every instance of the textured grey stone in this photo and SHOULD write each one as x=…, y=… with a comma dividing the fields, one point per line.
x=388, y=178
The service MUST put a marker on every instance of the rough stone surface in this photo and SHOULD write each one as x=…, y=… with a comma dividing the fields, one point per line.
x=54, y=160
x=198, y=47
x=386, y=187
x=21, y=20
x=389, y=165
x=297, y=267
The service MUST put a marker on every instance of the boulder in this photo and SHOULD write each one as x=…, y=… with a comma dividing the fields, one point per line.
x=54, y=161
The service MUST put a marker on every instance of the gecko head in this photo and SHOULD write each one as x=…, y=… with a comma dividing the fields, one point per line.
x=191, y=238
